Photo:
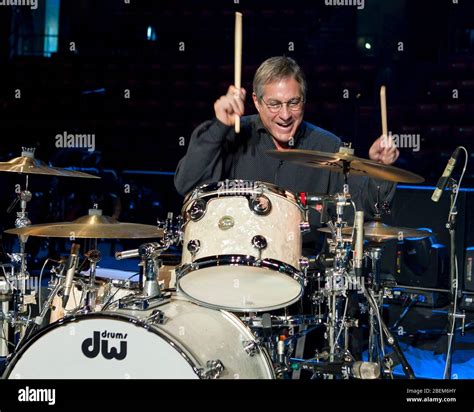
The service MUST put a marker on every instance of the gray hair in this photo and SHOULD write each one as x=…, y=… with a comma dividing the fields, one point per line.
x=277, y=68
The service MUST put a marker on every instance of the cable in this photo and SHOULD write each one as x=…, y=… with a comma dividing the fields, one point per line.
x=343, y=319
x=109, y=300
x=6, y=277
x=354, y=225
x=7, y=341
x=40, y=280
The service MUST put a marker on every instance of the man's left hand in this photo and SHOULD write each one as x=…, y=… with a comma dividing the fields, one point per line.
x=384, y=150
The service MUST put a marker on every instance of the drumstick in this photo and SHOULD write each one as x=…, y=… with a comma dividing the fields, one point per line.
x=238, y=61
x=383, y=109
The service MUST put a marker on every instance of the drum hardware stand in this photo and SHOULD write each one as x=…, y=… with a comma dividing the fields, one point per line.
x=55, y=287
x=19, y=280
x=6, y=293
x=374, y=252
x=376, y=345
x=374, y=296
x=93, y=256
x=151, y=295
x=454, y=294
x=335, y=286
x=336, y=276
x=392, y=342
x=346, y=367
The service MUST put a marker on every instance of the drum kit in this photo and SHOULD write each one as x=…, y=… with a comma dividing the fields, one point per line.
x=226, y=312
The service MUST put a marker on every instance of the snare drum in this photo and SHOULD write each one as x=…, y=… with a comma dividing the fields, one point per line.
x=242, y=246
x=110, y=286
x=176, y=340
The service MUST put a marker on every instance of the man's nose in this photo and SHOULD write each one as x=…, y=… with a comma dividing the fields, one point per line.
x=285, y=113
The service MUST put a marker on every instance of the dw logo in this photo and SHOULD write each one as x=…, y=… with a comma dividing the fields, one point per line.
x=100, y=343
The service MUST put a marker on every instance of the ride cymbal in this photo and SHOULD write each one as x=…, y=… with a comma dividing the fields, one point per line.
x=344, y=162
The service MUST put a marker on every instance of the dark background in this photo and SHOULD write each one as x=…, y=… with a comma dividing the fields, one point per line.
x=139, y=140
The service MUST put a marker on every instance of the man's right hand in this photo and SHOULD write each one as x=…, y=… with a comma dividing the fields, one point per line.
x=226, y=107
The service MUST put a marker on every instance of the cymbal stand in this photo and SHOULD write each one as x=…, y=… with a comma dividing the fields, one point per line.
x=376, y=343
x=374, y=251
x=377, y=328
x=19, y=280
x=150, y=255
x=336, y=278
x=93, y=256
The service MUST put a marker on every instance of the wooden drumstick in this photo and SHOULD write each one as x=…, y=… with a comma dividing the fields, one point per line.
x=383, y=110
x=238, y=61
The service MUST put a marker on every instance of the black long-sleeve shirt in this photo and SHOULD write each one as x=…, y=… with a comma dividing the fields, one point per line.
x=216, y=153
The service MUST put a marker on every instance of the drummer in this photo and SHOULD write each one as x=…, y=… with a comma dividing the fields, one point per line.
x=216, y=152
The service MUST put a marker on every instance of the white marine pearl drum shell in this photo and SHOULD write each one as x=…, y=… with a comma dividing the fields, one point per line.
x=189, y=337
x=227, y=229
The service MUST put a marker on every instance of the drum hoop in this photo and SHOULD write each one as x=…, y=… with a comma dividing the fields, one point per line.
x=240, y=260
x=177, y=345
x=249, y=187
x=236, y=309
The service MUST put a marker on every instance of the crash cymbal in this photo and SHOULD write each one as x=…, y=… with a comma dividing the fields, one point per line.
x=28, y=164
x=377, y=231
x=92, y=226
x=343, y=161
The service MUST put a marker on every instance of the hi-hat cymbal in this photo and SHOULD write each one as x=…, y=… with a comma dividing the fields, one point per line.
x=92, y=226
x=346, y=162
x=377, y=231
x=28, y=164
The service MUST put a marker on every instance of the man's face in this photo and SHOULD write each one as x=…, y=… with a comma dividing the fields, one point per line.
x=283, y=124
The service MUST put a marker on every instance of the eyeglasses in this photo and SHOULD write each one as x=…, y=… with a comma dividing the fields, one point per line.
x=294, y=105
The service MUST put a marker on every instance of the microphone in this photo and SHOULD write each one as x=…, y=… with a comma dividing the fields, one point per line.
x=281, y=351
x=364, y=370
x=126, y=254
x=94, y=256
x=443, y=180
x=266, y=325
x=359, y=243
x=357, y=369
x=145, y=250
x=70, y=269
x=308, y=199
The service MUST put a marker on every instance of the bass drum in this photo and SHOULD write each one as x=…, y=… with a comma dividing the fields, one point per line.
x=177, y=340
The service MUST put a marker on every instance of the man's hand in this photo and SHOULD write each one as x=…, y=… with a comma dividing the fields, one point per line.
x=226, y=107
x=384, y=151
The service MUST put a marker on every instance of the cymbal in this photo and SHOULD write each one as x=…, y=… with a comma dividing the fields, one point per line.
x=336, y=162
x=377, y=231
x=28, y=164
x=92, y=226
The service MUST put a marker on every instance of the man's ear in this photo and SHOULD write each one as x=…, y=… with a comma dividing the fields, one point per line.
x=255, y=102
